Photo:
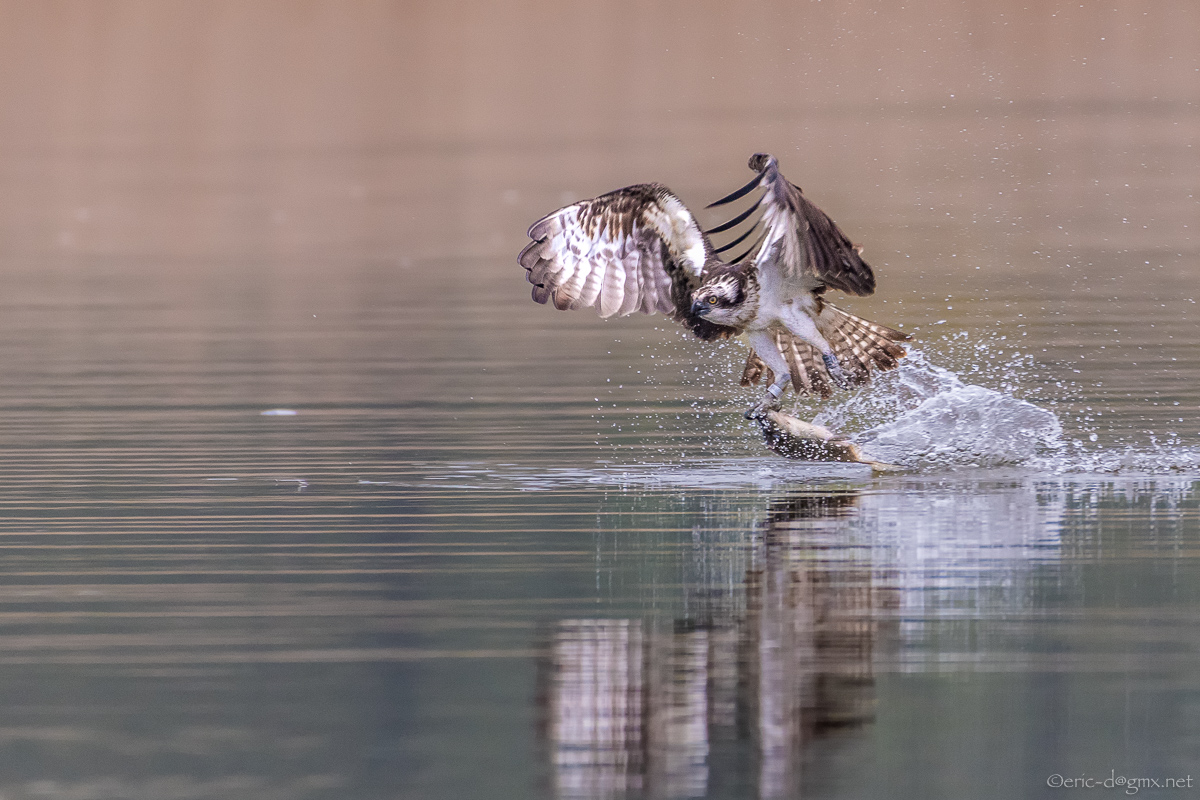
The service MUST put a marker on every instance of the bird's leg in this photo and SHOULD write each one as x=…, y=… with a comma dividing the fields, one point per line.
x=802, y=324
x=835, y=370
x=770, y=400
x=764, y=346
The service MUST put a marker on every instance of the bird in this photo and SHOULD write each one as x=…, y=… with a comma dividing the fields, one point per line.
x=640, y=249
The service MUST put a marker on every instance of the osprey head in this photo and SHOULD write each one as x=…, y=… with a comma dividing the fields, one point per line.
x=722, y=299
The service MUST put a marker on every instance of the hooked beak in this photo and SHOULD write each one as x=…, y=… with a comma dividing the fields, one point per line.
x=699, y=308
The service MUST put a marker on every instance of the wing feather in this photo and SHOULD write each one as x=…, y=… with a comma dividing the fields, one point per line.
x=612, y=290
x=593, y=281
x=568, y=293
x=632, y=291
x=635, y=249
x=801, y=241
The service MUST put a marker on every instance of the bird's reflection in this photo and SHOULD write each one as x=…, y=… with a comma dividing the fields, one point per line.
x=759, y=668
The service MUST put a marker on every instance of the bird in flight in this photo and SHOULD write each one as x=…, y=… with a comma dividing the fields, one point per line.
x=641, y=249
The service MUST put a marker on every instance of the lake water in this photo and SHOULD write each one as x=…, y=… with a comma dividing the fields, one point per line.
x=304, y=498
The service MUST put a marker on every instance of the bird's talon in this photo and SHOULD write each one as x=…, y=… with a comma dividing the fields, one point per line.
x=836, y=373
x=761, y=409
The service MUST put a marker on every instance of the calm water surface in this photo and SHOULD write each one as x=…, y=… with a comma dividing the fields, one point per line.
x=302, y=497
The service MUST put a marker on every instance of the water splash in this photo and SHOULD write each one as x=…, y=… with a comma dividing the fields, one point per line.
x=925, y=417
x=1157, y=459
x=931, y=417
x=966, y=425
x=921, y=416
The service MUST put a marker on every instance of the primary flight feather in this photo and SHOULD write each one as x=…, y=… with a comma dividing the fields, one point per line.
x=641, y=249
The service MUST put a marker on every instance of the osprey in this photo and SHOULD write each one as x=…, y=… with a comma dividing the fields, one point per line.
x=641, y=249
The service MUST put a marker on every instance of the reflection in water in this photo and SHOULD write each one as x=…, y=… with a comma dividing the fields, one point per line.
x=809, y=633
x=784, y=658
x=596, y=706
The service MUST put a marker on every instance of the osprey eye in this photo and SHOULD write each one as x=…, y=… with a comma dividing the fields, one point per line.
x=712, y=301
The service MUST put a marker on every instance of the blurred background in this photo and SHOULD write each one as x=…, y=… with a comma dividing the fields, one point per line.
x=261, y=163
x=482, y=548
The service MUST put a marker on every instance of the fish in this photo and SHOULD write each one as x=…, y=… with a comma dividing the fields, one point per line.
x=792, y=437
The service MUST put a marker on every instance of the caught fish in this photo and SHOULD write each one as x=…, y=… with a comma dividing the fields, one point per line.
x=791, y=437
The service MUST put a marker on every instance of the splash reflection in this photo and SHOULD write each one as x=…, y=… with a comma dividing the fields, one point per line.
x=763, y=667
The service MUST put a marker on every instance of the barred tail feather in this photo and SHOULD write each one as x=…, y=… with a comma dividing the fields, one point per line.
x=754, y=371
x=862, y=347
x=809, y=375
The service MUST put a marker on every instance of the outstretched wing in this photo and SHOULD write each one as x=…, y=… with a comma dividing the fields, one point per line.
x=635, y=249
x=799, y=239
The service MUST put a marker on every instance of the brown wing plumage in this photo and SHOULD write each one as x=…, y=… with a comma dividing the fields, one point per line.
x=829, y=254
x=862, y=347
x=635, y=249
x=799, y=239
x=594, y=253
